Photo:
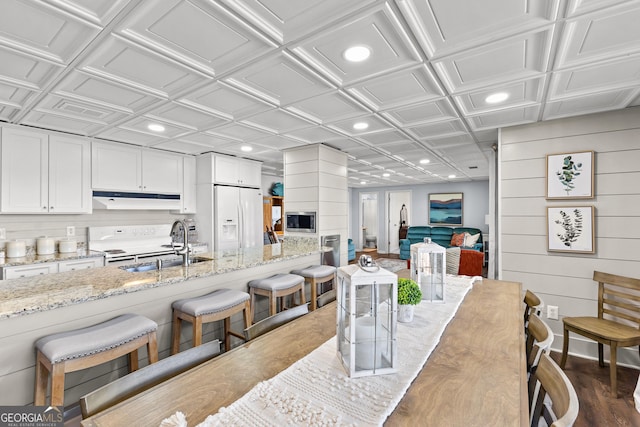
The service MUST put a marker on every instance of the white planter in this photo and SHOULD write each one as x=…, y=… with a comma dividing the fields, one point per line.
x=405, y=313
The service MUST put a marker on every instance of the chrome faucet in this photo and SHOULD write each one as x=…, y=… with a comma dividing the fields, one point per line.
x=186, y=246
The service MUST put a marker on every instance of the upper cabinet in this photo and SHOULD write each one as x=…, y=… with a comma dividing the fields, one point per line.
x=44, y=173
x=188, y=199
x=119, y=167
x=229, y=170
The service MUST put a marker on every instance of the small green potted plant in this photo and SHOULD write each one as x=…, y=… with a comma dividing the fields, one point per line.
x=409, y=295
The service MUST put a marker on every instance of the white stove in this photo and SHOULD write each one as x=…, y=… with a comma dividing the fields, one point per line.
x=131, y=242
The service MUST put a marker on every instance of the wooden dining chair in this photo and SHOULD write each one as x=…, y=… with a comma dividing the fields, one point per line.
x=550, y=383
x=618, y=300
x=272, y=322
x=540, y=338
x=145, y=378
x=533, y=304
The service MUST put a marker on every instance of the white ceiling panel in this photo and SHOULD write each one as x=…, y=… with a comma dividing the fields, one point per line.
x=96, y=90
x=127, y=63
x=443, y=28
x=220, y=74
x=213, y=41
x=378, y=29
x=63, y=123
x=589, y=104
x=518, y=57
x=397, y=89
x=46, y=33
x=425, y=112
x=609, y=75
x=280, y=79
x=327, y=107
x=510, y=117
x=608, y=33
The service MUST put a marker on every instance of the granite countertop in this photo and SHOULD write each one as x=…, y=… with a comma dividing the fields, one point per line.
x=40, y=293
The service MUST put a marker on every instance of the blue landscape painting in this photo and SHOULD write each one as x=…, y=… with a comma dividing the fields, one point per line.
x=445, y=209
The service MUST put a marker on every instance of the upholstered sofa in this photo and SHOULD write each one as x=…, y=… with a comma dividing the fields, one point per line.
x=438, y=234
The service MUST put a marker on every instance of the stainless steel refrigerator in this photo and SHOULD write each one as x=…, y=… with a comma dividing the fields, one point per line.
x=228, y=217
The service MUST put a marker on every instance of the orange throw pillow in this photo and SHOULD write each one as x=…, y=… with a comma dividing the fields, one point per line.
x=457, y=239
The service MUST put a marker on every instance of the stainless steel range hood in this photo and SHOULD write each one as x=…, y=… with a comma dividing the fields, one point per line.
x=135, y=201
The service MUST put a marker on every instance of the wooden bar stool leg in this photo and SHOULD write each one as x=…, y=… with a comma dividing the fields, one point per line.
x=253, y=305
x=247, y=314
x=197, y=331
x=227, y=335
x=314, y=294
x=42, y=380
x=133, y=360
x=152, y=348
x=175, y=333
x=272, y=304
x=57, y=384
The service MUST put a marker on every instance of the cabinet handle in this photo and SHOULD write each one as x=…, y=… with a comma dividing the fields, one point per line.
x=44, y=208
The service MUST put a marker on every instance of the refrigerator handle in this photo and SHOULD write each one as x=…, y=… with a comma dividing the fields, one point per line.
x=240, y=225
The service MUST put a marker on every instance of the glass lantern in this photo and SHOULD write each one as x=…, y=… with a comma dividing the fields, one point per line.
x=367, y=299
x=429, y=269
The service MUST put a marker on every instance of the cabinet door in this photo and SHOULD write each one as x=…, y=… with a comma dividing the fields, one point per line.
x=69, y=175
x=29, y=270
x=189, y=185
x=80, y=264
x=161, y=172
x=24, y=171
x=116, y=167
x=249, y=173
x=226, y=170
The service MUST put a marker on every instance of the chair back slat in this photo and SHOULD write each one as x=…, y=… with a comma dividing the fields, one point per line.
x=614, y=279
x=272, y=322
x=620, y=315
x=145, y=378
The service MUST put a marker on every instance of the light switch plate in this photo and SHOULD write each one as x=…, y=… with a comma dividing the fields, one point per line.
x=71, y=231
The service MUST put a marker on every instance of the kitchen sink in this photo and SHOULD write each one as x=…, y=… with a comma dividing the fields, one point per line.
x=165, y=264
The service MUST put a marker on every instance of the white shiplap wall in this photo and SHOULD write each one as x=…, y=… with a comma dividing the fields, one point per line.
x=562, y=279
x=315, y=179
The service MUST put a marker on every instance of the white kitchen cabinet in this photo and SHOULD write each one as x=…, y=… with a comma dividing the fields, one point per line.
x=119, y=167
x=234, y=171
x=44, y=173
x=80, y=264
x=29, y=270
x=188, y=199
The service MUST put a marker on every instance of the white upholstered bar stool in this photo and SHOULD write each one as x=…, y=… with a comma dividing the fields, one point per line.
x=71, y=351
x=316, y=275
x=220, y=304
x=274, y=287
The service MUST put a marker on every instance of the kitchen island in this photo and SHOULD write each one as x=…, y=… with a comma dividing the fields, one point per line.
x=33, y=307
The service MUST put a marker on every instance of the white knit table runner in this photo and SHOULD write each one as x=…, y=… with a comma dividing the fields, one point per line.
x=316, y=391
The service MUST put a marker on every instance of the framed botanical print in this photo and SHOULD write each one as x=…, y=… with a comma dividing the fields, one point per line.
x=570, y=175
x=571, y=229
x=445, y=209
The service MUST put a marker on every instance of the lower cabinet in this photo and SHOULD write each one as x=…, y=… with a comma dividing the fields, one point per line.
x=30, y=270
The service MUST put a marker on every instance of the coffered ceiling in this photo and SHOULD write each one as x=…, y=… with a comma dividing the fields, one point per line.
x=271, y=74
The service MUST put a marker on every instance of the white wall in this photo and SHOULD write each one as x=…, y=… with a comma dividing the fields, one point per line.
x=563, y=279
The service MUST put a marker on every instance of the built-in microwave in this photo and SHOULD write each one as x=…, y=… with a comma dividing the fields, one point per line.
x=304, y=222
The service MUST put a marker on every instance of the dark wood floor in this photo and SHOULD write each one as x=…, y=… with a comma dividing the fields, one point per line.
x=597, y=407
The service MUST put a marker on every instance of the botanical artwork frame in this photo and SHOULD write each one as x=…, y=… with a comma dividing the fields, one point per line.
x=571, y=229
x=446, y=209
x=570, y=175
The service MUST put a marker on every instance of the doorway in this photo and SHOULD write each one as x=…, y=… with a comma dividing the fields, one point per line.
x=368, y=221
x=398, y=209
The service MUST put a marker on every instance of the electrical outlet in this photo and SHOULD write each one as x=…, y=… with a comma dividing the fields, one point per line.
x=3, y=233
x=552, y=312
x=71, y=231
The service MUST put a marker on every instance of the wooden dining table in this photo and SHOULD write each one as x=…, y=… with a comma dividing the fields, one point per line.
x=476, y=376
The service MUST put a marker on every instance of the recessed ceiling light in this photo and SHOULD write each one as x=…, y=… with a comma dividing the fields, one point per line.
x=360, y=125
x=452, y=176
x=494, y=98
x=357, y=53
x=246, y=148
x=155, y=127
x=386, y=175
x=363, y=182
x=424, y=161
